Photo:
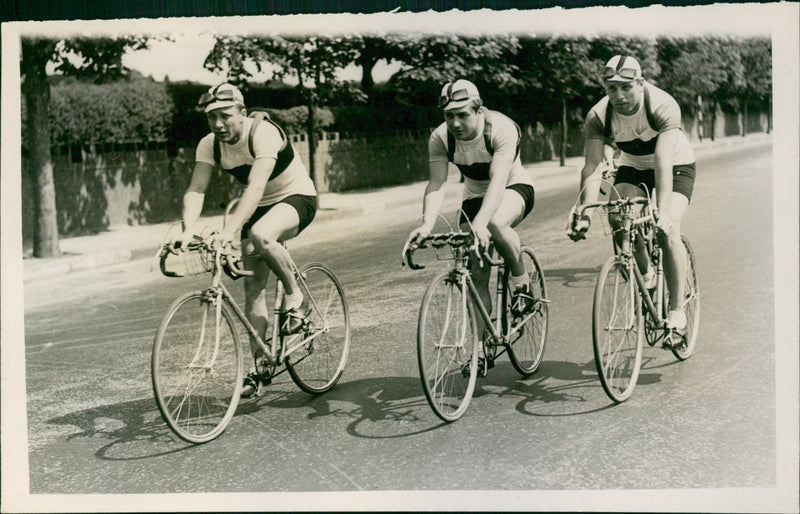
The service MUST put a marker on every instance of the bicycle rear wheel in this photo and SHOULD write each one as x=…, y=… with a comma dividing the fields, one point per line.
x=617, y=329
x=196, y=381
x=319, y=365
x=691, y=305
x=526, y=347
x=447, y=347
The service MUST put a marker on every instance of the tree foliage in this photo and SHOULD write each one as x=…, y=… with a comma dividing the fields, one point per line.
x=117, y=112
x=98, y=57
x=428, y=62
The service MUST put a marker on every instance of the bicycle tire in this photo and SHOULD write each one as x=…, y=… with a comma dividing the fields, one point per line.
x=196, y=400
x=320, y=364
x=526, y=348
x=447, y=347
x=617, y=309
x=692, y=305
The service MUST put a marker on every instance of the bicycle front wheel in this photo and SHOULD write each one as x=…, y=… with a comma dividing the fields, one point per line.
x=691, y=305
x=197, y=367
x=447, y=347
x=526, y=345
x=617, y=329
x=320, y=363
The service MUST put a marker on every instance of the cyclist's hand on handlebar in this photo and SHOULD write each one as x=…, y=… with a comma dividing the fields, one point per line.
x=664, y=224
x=578, y=226
x=182, y=240
x=418, y=234
x=224, y=239
x=483, y=237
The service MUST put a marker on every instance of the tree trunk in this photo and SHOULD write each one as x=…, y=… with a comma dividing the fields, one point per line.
x=367, y=61
x=769, y=116
x=744, y=119
x=714, y=107
x=311, y=127
x=35, y=55
x=563, y=150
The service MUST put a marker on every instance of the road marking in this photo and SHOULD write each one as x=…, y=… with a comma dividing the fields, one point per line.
x=355, y=484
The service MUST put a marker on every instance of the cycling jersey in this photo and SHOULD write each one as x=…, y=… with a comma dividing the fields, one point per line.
x=472, y=158
x=635, y=135
x=289, y=176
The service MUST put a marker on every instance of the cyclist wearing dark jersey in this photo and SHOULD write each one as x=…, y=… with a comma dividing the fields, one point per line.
x=498, y=192
x=644, y=122
x=278, y=202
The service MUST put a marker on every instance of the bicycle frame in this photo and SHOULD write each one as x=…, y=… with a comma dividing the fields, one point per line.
x=500, y=336
x=271, y=352
x=655, y=309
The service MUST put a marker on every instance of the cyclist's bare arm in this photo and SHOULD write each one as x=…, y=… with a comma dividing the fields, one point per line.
x=193, y=198
x=248, y=203
x=594, y=154
x=433, y=199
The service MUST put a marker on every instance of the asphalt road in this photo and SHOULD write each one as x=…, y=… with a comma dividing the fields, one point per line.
x=707, y=423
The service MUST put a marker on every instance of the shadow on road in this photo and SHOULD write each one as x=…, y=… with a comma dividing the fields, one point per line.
x=572, y=277
x=378, y=408
x=125, y=425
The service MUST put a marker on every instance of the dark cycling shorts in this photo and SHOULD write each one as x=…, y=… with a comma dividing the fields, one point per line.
x=306, y=207
x=682, y=178
x=471, y=206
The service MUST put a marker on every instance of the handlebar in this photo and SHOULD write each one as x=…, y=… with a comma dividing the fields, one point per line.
x=222, y=257
x=579, y=211
x=455, y=240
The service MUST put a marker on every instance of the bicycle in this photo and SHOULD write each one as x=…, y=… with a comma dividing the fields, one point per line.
x=618, y=324
x=447, y=339
x=196, y=365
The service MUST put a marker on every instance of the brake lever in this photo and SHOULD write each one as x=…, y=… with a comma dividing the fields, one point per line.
x=408, y=252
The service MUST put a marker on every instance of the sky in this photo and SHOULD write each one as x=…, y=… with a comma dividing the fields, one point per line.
x=182, y=59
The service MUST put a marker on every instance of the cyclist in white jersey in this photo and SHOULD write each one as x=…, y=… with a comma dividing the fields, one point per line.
x=498, y=192
x=644, y=122
x=278, y=202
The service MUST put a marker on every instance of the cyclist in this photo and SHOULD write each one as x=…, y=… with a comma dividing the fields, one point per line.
x=644, y=122
x=498, y=193
x=278, y=202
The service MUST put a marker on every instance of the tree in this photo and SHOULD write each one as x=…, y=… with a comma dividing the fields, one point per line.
x=311, y=61
x=708, y=67
x=83, y=57
x=428, y=62
x=563, y=71
x=756, y=55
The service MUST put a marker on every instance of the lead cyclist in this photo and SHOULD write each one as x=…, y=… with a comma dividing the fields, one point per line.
x=644, y=122
x=498, y=192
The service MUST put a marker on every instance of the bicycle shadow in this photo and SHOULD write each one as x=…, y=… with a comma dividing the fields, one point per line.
x=380, y=407
x=123, y=424
x=556, y=389
x=572, y=277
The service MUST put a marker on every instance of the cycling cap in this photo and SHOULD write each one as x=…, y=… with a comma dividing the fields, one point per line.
x=223, y=95
x=622, y=68
x=457, y=94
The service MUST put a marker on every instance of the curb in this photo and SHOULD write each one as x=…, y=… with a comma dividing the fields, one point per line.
x=365, y=203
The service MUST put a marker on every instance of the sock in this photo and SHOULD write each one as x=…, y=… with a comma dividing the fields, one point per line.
x=292, y=301
x=517, y=282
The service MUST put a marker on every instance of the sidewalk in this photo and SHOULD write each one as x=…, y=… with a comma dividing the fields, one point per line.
x=122, y=244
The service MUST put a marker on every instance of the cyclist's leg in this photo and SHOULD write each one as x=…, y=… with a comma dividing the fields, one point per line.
x=675, y=255
x=512, y=210
x=625, y=189
x=255, y=294
x=675, y=264
x=278, y=224
x=480, y=274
